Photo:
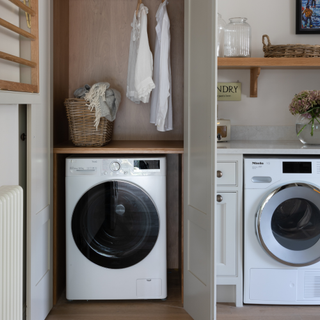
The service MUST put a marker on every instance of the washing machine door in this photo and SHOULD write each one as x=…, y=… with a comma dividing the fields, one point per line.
x=115, y=224
x=288, y=224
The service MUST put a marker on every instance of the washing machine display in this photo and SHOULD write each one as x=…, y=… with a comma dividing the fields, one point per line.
x=115, y=224
x=282, y=230
x=116, y=228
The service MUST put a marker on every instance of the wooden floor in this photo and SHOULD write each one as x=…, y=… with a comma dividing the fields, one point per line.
x=172, y=309
x=230, y=312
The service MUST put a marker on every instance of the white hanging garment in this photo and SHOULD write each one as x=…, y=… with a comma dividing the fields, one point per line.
x=161, y=99
x=132, y=93
x=144, y=64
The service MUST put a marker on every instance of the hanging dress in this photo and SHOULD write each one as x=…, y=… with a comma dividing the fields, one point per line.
x=140, y=66
x=132, y=93
x=161, y=99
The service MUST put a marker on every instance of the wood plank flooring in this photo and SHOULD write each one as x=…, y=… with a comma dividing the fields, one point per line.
x=259, y=312
x=172, y=309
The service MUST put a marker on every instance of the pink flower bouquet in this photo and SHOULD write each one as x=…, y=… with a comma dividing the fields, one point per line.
x=307, y=104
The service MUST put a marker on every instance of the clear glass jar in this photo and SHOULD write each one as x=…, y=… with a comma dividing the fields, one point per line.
x=220, y=44
x=237, y=38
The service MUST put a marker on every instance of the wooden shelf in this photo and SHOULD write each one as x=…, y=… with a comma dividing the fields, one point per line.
x=268, y=63
x=124, y=147
x=256, y=64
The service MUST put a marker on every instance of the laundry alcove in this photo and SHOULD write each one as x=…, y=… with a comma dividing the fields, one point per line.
x=90, y=45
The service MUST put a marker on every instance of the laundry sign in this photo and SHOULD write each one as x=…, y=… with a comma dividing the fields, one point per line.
x=229, y=91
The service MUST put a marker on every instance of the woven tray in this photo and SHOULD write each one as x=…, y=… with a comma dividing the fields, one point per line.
x=81, y=124
x=289, y=50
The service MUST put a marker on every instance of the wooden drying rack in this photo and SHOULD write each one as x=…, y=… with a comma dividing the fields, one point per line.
x=33, y=36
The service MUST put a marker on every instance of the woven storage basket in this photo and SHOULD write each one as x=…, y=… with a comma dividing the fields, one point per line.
x=81, y=123
x=289, y=50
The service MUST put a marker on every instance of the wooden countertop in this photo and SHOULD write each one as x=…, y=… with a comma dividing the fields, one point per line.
x=124, y=147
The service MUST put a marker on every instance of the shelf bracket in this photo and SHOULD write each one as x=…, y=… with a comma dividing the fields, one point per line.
x=254, y=75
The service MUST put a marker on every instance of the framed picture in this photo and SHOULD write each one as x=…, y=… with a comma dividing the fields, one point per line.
x=307, y=16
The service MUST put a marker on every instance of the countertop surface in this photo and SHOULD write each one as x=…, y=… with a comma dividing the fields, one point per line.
x=267, y=147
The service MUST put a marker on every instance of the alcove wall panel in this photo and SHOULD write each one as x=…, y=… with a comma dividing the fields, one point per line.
x=99, y=38
x=60, y=69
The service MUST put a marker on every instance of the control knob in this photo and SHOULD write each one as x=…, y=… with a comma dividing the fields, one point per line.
x=115, y=166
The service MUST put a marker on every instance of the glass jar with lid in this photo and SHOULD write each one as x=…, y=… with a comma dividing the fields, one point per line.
x=237, y=38
x=220, y=44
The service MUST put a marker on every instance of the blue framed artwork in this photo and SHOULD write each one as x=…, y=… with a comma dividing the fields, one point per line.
x=307, y=16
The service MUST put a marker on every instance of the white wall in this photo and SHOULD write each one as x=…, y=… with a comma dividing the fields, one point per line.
x=9, y=142
x=9, y=42
x=276, y=88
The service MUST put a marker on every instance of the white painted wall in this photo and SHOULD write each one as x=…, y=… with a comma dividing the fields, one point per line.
x=276, y=88
x=9, y=142
x=9, y=42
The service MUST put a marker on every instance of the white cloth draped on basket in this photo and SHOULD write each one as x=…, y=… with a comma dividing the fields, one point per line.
x=140, y=64
x=104, y=100
x=161, y=98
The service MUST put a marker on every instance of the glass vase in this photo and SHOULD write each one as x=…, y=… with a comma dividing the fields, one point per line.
x=237, y=38
x=220, y=44
x=304, y=130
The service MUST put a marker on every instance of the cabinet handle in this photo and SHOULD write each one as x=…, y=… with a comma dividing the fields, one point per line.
x=219, y=174
x=219, y=197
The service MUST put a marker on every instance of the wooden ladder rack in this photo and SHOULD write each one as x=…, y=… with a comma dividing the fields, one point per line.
x=33, y=36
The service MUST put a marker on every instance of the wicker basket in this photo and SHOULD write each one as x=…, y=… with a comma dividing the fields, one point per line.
x=289, y=50
x=81, y=123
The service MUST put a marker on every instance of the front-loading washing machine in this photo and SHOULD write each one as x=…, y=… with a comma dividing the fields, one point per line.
x=116, y=228
x=282, y=230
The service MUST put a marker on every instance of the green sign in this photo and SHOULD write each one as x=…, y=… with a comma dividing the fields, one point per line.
x=229, y=91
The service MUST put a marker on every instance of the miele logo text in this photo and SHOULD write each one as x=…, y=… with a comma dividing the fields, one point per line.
x=257, y=163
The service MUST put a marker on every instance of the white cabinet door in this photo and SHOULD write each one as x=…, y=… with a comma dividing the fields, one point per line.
x=39, y=221
x=199, y=158
x=39, y=179
x=226, y=234
x=229, y=228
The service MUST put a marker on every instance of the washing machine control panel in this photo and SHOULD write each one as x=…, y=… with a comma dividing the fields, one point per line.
x=115, y=167
x=118, y=167
x=263, y=172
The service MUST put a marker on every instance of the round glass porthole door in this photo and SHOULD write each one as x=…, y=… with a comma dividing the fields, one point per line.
x=115, y=224
x=288, y=224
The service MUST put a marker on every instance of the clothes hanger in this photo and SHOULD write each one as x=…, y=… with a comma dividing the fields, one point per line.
x=140, y=1
x=138, y=5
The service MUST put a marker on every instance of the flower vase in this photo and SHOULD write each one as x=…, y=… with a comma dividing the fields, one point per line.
x=308, y=129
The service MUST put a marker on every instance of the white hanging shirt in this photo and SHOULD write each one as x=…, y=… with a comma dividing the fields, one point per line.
x=132, y=93
x=140, y=66
x=161, y=99
x=144, y=65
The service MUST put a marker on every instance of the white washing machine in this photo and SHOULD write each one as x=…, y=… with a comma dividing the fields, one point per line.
x=116, y=228
x=282, y=230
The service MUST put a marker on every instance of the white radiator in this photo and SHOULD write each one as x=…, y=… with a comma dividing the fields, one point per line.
x=11, y=253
